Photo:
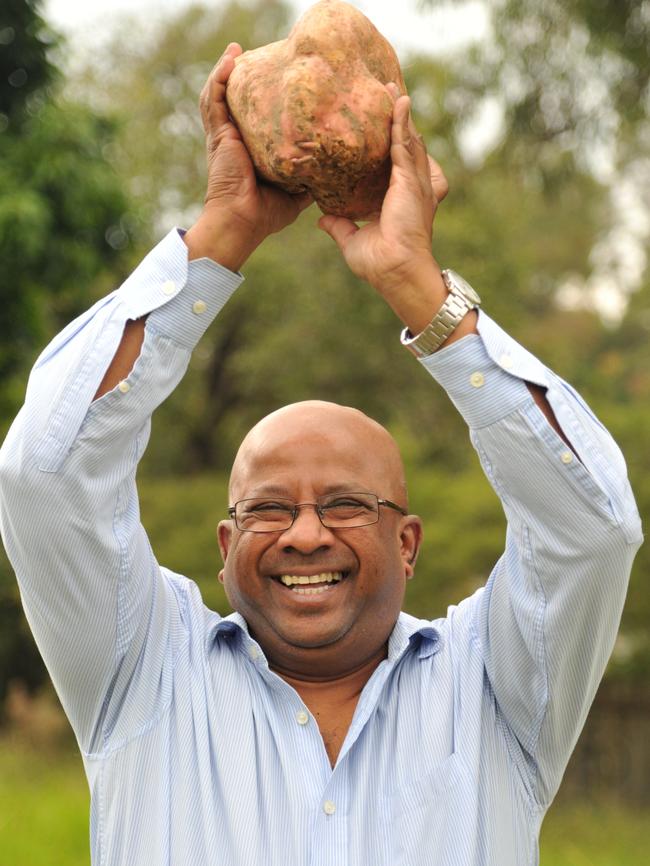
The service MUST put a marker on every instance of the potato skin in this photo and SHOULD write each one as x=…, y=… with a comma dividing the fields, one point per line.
x=313, y=110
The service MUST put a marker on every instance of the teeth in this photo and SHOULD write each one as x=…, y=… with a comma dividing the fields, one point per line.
x=311, y=590
x=325, y=577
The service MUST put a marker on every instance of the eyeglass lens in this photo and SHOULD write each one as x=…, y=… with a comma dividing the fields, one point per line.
x=267, y=515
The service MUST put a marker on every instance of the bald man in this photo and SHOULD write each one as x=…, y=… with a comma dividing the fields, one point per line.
x=317, y=725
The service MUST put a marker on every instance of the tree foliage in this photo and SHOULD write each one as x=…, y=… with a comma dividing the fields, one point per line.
x=25, y=66
x=64, y=221
x=64, y=215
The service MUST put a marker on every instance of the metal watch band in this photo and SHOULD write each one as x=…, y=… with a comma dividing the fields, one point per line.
x=459, y=301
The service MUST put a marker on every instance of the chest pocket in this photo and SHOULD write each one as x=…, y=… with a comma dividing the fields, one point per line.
x=432, y=818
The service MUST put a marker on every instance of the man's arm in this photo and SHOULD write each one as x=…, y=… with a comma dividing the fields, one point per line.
x=238, y=214
x=107, y=619
x=546, y=622
x=393, y=253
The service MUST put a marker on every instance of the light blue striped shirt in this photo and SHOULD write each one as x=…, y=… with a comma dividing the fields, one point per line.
x=196, y=753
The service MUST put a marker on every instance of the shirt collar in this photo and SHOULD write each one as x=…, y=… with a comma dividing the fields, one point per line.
x=409, y=635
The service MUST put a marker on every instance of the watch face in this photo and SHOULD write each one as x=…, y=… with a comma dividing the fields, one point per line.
x=453, y=279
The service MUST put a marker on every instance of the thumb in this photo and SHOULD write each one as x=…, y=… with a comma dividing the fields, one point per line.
x=339, y=229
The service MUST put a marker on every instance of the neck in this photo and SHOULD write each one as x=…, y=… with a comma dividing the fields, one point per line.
x=347, y=684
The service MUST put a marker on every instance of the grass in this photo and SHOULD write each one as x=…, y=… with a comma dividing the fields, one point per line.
x=44, y=818
x=43, y=808
x=598, y=834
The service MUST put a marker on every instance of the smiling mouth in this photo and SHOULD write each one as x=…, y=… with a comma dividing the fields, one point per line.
x=312, y=584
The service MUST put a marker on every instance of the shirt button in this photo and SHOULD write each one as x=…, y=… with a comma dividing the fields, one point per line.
x=302, y=718
x=252, y=652
x=477, y=380
x=169, y=287
x=199, y=307
x=566, y=457
x=328, y=807
x=506, y=361
x=124, y=387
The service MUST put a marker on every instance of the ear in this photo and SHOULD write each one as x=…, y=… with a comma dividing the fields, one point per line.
x=410, y=540
x=224, y=537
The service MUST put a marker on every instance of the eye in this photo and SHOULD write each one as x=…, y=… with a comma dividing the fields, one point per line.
x=347, y=504
x=268, y=506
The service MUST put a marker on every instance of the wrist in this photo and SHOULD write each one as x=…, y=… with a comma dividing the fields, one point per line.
x=454, y=319
x=219, y=236
x=417, y=295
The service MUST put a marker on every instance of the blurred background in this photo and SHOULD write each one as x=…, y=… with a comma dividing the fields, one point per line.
x=539, y=112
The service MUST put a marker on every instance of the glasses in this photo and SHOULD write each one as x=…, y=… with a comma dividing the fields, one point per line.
x=336, y=511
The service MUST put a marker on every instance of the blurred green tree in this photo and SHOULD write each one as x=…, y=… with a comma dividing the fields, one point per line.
x=65, y=221
x=25, y=65
x=64, y=215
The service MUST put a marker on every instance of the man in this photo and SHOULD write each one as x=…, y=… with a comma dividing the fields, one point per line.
x=316, y=725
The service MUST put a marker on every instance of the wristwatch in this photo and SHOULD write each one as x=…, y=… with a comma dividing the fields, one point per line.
x=461, y=299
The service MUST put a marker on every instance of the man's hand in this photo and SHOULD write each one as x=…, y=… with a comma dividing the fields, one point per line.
x=393, y=252
x=239, y=210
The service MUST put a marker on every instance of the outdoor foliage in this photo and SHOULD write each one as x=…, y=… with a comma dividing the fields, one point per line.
x=64, y=214
x=64, y=219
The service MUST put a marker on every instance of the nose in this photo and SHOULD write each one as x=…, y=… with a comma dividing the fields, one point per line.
x=307, y=534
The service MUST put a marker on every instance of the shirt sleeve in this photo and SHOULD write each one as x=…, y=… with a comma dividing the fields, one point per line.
x=106, y=621
x=548, y=616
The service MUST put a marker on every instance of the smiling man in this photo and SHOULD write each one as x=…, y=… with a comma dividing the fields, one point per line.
x=315, y=560
x=317, y=725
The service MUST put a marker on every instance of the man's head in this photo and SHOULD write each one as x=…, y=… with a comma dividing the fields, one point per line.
x=302, y=452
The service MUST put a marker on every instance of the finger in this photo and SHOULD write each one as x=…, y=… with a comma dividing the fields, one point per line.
x=438, y=180
x=340, y=229
x=214, y=110
x=400, y=134
x=393, y=90
x=418, y=150
x=232, y=49
x=408, y=151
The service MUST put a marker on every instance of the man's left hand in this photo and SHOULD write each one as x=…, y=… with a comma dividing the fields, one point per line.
x=393, y=251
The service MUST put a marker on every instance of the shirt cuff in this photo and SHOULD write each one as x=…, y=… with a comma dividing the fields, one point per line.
x=484, y=374
x=181, y=298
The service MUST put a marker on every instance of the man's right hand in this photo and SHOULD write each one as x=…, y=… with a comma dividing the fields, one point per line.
x=239, y=210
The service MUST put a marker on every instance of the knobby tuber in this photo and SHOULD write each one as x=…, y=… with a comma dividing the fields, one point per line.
x=313, y=110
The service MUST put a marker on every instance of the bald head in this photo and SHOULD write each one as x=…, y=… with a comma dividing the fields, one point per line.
x=319, y=436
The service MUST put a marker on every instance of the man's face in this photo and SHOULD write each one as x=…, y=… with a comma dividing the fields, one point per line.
x=300, y=453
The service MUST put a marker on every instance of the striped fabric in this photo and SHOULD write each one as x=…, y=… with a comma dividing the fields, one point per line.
x=196, y=752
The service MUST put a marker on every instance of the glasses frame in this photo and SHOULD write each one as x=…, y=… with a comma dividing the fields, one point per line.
x=318, y=507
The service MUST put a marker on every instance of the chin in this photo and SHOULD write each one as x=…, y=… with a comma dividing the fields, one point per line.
x=313, y=640
x=311, y=635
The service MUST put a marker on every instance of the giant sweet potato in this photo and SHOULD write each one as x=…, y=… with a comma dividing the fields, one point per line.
x=313, y=110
